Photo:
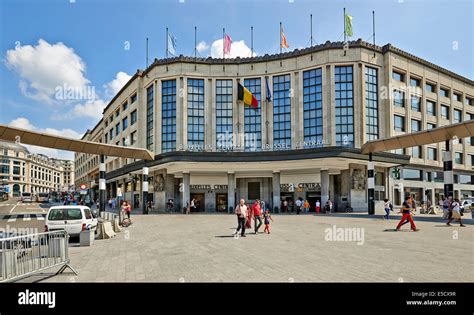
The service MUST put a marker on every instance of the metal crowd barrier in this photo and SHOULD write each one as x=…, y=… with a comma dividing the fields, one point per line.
x=24, y=255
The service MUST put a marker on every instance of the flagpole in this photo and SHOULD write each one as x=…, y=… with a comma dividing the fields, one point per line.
x=223, y=48
x=147, y=52
x=195, y=47
x=167, y=48
x=311, y=27
x=373, y=28
x=344, y=25
x=251, y=44
x=280, y=46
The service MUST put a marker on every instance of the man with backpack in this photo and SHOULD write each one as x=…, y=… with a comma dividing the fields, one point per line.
x=241, y=212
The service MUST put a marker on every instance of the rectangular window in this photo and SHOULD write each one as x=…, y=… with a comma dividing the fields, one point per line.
x=344, y=106
x=196, y=114
x=133, y=138
x=253, y=117
x=117, y=113
x=444, y=92
x=430, y=126
x=415, y=103
x=125, y=123
x=397, y=76
x=371, y=104
x=398, y=98
x=281, y=112
x=438, y=177
x=133, y=99
x=5, y=169
x=313, y=108
x=399, y=123
x=149, y=117
x=412, y=174
x=117, y=129
x=111, y=132
x=224, y=115
x=431, y=108
x=133, y=117
x=168, y=116
x=16, y=170
x=415, y=82
x=432, y=154
x=457, y=116
x=416, y=152
x=458, y=158
x=444, y=111
x=415, y=125
x=430, y=87
x=468, y=101
x=125, y=105
x=457, y=97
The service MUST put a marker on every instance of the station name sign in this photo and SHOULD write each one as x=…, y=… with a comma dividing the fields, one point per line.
x=208, y=187
x=300, y=186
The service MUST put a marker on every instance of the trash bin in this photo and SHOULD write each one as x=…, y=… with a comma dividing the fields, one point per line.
x=86, y=238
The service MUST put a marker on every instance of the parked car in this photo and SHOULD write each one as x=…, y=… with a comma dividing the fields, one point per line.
x=26, y=197
x=42, y=197
x=73, y=219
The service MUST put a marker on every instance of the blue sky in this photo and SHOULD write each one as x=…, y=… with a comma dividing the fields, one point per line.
x=96, y=35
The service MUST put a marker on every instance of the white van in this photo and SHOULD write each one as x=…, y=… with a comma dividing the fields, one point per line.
x=26, y=197
x=73, y=219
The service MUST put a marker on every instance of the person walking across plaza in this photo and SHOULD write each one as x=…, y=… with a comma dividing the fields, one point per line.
x=299, y=204
x=318, y=206
x=241, y=212
x=455, y=213
x=257, y=215
x=406, y=211
x=387, y=207
x=266, y=219
x=306, y=206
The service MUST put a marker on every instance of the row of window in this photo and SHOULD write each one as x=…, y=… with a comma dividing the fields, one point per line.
x=431, y=87
x=417, y=175
x=113, y=132
x=132, y=100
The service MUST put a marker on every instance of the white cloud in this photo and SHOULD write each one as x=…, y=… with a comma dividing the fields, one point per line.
x=202, y=47
x=91, y=109
x=24, y=123
x=44, y=67
x=237, y=49
x=114, y=86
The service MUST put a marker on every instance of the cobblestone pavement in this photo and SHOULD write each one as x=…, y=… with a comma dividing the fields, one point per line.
x=201, y=248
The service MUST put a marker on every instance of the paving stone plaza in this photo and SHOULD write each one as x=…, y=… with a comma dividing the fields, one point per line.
x=300, y=248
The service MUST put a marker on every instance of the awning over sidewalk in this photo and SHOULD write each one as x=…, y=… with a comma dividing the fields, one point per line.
x=68, y=144
x=435, y=135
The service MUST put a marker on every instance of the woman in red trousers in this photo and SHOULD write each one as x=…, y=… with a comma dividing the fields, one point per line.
x=406, y=214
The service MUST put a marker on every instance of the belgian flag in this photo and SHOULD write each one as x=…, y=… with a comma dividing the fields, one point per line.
x=244, y=95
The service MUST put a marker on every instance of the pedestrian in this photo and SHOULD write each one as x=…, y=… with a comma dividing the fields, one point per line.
x=455, y=213
x=114, y=203
x=241, y=212
x=149, y=206
x=285, y=205
x=257, y=215
x=193, y=205
x=406, y=210
x=298, y=204
x=318, y=206
x=263, y=206
x=386, y=206
x=445, y=205
x=306, y=206
x=267, y=218
x=127, y=208
x=170, y=205
x=248, y=222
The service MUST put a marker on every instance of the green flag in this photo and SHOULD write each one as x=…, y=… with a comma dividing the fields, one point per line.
x=348, y=29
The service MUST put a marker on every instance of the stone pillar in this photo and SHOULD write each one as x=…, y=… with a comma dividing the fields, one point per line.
x=230, y=192
x=186, y=189
x=324, y=186
x=102, y=192
x=145, y=190
x=276, y=191
x=169, y=189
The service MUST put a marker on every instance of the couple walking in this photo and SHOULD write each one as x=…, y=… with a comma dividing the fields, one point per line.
x=245, y=214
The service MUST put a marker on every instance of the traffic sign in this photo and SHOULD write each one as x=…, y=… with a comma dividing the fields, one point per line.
x=83, y=186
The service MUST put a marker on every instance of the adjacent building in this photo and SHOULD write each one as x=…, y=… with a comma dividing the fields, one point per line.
x=22, y=171
x=317, y=107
